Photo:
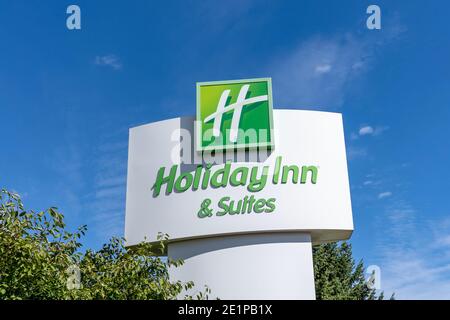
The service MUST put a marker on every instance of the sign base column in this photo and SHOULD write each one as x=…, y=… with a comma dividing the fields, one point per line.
x=250, y=266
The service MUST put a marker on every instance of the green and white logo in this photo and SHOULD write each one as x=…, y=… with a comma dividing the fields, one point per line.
x=234, y=114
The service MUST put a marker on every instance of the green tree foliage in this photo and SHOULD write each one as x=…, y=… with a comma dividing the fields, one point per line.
x=337, y=277
x=39, y=259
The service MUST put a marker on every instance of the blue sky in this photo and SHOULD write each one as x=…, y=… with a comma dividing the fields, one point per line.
x=67, y=99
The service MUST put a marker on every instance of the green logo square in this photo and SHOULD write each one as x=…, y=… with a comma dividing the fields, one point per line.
x=234, y=114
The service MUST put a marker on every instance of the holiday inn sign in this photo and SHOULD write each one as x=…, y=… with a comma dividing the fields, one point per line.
x=237, y=178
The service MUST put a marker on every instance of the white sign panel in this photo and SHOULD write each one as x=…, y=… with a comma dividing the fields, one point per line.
x=299, y=185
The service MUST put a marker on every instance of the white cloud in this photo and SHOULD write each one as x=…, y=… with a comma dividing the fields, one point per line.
x=319, y=73
x=411, y=275
x=354, y=136
x=379, y=130
x=298, y=74
x=366, y=130
x=368, y=182
x=67, y=162
x=369, y=130
x=412, y=266
x=355, y=152
x=384, y=194
x=109, y=192
x=108, y=199
x=323, y=68
x=358, y=65
x=444, y=240
x=102, y=181
x=109, y=60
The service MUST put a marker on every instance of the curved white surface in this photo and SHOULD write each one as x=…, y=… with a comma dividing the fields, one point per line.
x=301, y=137
x=260, y=266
